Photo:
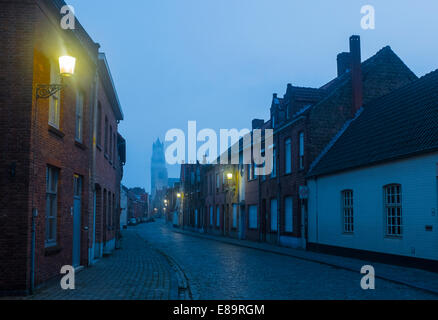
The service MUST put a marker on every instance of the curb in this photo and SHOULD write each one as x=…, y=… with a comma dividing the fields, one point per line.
x=334, y=265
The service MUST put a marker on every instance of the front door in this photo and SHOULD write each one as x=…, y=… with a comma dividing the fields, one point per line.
x=242, y=222
x=77, y=221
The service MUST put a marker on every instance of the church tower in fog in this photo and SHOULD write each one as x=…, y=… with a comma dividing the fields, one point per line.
x=158, y=168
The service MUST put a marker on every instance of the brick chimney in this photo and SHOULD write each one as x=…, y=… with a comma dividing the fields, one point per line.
x=344, y=62
x=356, y=73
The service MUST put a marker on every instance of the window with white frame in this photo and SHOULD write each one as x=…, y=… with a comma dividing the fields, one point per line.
x=274, y=163
x=55, y=100
x=274, y=215
x=235, y=206
x=252, y=217
x=301, y=149
x=288, y=214
x=79, y=115
x=347, y=211
x=288, y=156
x=211, y=216
x=218, y=216
x=393, y=210
x=51, y=204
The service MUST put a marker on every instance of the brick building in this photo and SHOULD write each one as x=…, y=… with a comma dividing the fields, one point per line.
x=107, y=164
x=46, y=146
x=268, y=207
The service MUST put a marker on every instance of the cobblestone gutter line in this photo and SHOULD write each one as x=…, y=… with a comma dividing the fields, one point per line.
x=184, y=288
x=394, y=274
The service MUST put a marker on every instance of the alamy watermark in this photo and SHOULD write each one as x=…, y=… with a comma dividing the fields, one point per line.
x=68, y=281
x=368, y=21
x=368, y=280
x=68, y=20
x=235, y=147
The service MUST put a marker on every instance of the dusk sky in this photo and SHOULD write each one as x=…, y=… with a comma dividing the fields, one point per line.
x=218, y=62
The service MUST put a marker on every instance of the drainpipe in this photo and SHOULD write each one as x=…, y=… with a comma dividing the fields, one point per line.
x=32, y=251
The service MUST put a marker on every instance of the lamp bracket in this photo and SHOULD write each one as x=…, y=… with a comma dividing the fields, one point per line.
x=45, y=91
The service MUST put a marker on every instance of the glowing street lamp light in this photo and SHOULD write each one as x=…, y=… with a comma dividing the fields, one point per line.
x=229, y=176
x=67, y=66
x=178, y=195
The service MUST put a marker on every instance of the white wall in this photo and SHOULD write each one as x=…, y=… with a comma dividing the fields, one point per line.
x=418, y=177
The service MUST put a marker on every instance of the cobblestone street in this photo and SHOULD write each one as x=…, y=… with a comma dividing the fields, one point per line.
x=218, y=270
x=136, y=272
x=154, y=258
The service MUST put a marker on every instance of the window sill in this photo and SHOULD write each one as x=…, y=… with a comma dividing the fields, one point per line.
x=393, y=237
x=98, y=147
x=53, y=250
x=80, y=145
x=56, y=131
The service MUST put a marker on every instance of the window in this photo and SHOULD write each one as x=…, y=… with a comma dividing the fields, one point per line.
x=347, y=211
x=79, y=115
x=196, y=217
x=55, y=100
x=218, y=217
x=110, y=146
x=301, y=159
x=288, y=214
x=106, y=135
x=234, y=216
x=252, y=217
x=393, y=210
x=274, y=214
x=51, y=204
x=114, y=148
x=217, y=182
x=288, y=156
x=274, y=163
x=211, y=215
x=99, y=124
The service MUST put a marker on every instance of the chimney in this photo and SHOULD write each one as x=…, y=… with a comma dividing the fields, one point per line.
x=344, y=62
x=356, y=73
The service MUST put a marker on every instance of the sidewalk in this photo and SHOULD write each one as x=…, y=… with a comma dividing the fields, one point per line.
x=135, y=272
x=415, y=278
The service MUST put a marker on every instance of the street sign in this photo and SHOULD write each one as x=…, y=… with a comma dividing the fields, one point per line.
x=304, y=192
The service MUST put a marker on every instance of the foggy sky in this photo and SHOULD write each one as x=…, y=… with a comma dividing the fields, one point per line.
x=219, y=61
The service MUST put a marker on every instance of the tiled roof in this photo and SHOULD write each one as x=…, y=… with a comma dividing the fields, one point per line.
x=401, y=124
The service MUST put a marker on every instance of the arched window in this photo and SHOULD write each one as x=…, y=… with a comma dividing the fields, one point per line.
x=347, y=211
x=393, y=209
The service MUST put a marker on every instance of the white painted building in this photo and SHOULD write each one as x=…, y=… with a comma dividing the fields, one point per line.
x=375, y=188
x=350, y=209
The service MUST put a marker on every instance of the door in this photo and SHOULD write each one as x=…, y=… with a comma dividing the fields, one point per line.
x=242, y=222
x=77, y=221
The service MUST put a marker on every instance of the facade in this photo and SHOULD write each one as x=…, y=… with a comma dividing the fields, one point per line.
x=46, y=215
x=373, y=192
x=159, y=177
x=108, y=164
x=138, y=204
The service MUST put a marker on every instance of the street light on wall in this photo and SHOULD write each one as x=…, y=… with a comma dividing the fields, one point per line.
x=229, y=176
x=67, y=65
x=178, y=195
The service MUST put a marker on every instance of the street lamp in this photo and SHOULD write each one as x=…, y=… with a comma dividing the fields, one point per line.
x=67, y=66
x=229, y=176
x=178, y=195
